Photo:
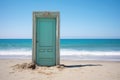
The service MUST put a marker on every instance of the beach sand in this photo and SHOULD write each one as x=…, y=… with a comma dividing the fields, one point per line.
x=72, y=70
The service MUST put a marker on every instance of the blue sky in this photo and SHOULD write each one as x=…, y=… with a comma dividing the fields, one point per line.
x=79, y=18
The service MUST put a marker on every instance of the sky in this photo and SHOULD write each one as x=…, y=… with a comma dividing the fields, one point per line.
x=78, y=18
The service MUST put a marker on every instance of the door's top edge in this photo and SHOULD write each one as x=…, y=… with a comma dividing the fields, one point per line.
x=46, y=12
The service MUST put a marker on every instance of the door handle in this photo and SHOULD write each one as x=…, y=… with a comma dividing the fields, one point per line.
x=36, y=41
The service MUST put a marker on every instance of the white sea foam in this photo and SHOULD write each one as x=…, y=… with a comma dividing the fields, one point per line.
x=16, y=52
x=63, y=52
x=89, y=53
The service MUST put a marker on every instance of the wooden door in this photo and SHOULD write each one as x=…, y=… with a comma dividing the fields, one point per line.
x=46, y=41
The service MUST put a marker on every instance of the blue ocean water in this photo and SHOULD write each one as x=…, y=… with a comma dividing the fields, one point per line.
x=91, y=44
x=8, y=44
x=73, y=49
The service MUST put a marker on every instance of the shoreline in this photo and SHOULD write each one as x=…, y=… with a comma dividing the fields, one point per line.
x=82, y=60
x=67, y=58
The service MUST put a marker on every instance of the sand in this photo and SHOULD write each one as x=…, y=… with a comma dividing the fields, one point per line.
x=10, y=69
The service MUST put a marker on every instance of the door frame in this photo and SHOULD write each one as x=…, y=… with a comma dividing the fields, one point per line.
x=46, y=14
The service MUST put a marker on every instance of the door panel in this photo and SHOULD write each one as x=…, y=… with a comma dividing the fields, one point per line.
x=46, y=41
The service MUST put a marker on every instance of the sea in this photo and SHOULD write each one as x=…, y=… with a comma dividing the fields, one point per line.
x=70, y=49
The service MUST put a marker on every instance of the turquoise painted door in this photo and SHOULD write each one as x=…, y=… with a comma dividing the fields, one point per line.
x=46, y=41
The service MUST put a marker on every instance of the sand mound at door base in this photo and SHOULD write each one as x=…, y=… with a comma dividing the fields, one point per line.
x=24, y=66
x=39, y=69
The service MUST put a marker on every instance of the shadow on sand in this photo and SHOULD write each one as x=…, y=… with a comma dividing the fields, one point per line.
x=85, y=65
